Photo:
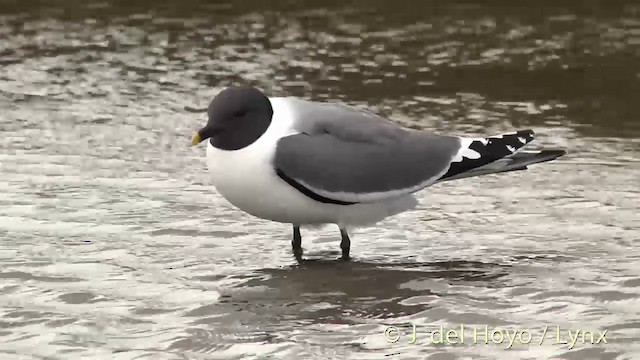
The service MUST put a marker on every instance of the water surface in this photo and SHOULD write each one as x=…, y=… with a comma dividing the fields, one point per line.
x=115, y=245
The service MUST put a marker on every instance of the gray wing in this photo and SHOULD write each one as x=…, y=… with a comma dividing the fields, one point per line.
x=346, y=156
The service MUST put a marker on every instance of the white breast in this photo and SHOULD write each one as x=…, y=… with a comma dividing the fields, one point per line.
x=247, y=180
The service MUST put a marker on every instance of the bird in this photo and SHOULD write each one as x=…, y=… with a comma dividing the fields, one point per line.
x=308, y=163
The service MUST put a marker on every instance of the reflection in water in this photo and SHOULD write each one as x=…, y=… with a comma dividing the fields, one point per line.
x=338, y=290
x=329, y=292
x=114, y=244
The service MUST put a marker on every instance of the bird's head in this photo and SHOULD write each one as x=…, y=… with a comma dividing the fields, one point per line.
x=238, y=116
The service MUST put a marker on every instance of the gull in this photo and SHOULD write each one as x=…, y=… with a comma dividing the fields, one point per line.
x=301, y=162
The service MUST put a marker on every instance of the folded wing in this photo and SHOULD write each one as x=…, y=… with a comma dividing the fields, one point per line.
x=344, y=156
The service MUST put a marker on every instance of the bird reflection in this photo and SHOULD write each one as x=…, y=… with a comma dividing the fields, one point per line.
x=317, y=290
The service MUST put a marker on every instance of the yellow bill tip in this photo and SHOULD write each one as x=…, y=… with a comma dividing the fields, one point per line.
x=195, y=139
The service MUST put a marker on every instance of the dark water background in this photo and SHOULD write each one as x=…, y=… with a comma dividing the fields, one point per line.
x=113, y=244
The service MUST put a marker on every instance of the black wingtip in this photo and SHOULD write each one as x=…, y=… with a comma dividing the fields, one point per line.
x=545, y=155
x=526, y=131
x=528, y=134
x=556, y=153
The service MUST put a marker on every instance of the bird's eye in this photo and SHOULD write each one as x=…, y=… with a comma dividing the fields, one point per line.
x=240, y=113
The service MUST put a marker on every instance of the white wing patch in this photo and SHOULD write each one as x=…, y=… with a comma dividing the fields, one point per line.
x=465, y=152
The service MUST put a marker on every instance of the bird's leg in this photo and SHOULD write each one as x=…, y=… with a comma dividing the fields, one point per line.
x=345, y=244
x=296, y=243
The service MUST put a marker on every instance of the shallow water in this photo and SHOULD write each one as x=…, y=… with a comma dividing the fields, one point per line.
x=114, y=244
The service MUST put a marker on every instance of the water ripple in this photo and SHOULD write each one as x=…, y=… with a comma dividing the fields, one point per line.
x=114, y=245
